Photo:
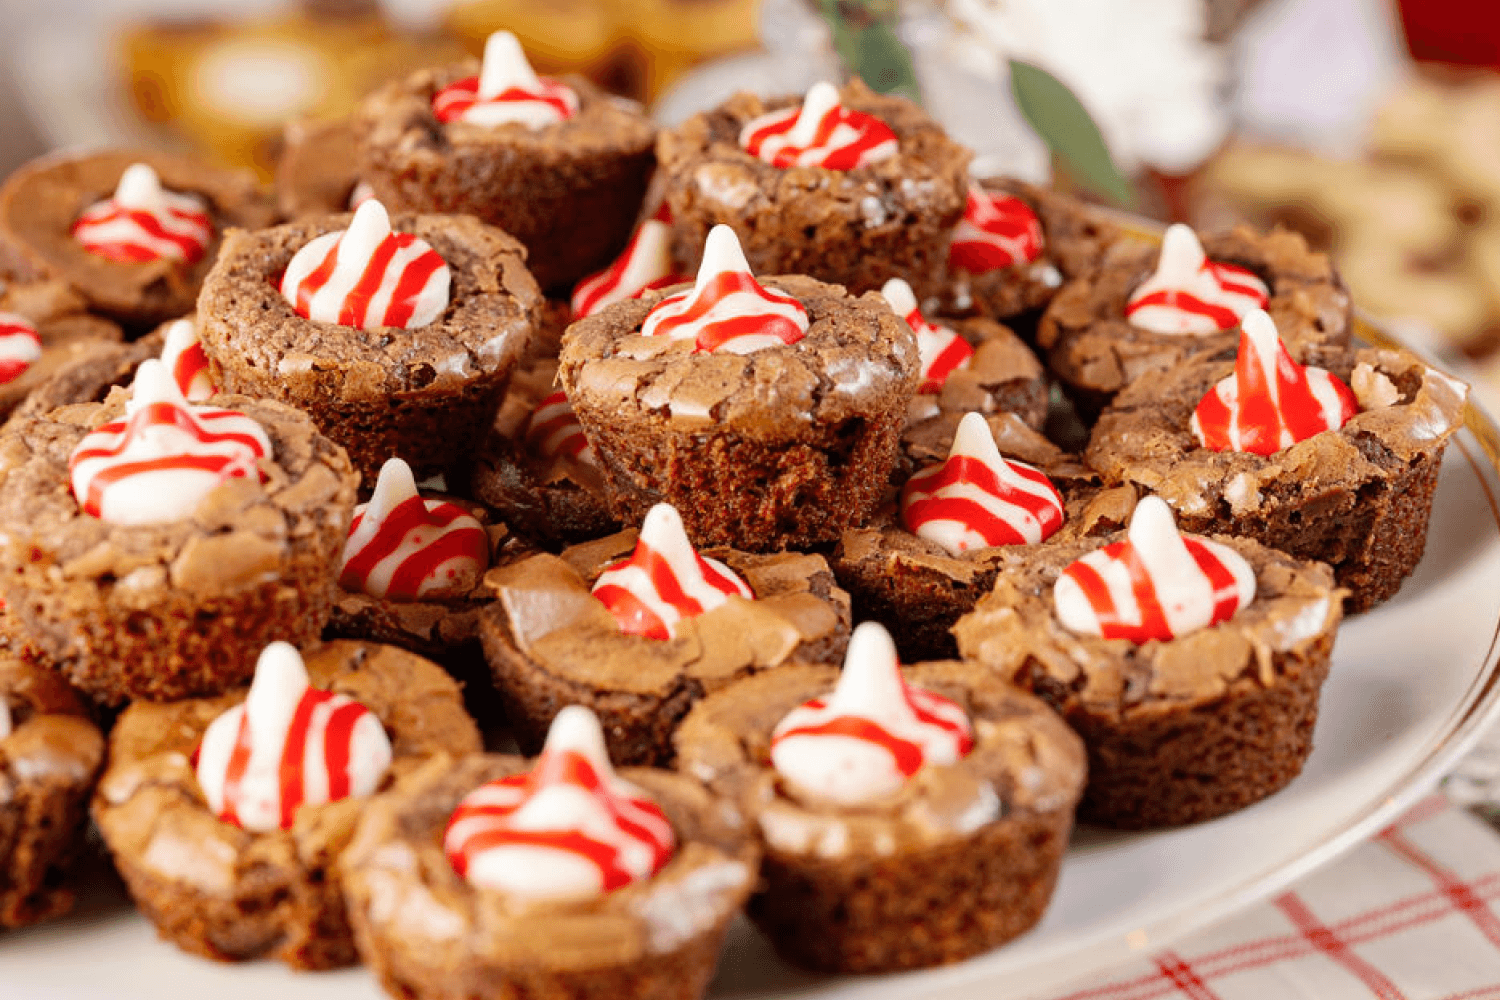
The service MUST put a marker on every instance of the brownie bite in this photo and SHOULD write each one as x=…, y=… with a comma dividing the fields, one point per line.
x=1357, y=497
x=317, y=172
x=851, y=211
x=567, y=184
x=1184, y=720
x=554, y=637
x=873, y=866
x=134, y=590
x=42, y=204
x=560, y=905
x=44, y=327
x=767, y=414
x=50, y=753
x=212, y=881
x=378, y=383
x=1095, y=342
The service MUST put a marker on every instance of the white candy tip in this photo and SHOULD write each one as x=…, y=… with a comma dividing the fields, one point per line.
x=1258, y=325
x=154, y=384
x=662, y=527
x=899, y=296
x=139, y=186
x=973, y=438
x=370, y=221
x=505, y=64
x=394, y=485
x=1151, y=523
x=1180, y=250
x=179, y=337
x=821, y=94
x=576, y=728
x=280, y=666
x=871, y=656
x=722, y=254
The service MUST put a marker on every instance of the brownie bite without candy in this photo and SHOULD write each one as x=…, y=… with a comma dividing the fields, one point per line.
x=1185, y=717
x=380, y=385
x=567, y=184
x=212, y=882
x=50, y=754
x=768, y=415
x=856, y=214
x=870, y=865
x=554, y=637
x=1095, y=342
x=42, y=202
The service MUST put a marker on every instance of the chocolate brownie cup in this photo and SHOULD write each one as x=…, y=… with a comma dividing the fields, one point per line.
x=1358, y=497
x=848, y=210
x=92, y=369
x=42, y=203
x=225, y=888
x=378, y=384
x=1014, y=247
x=44, y=327
x=562, y=167
x=50, y=755
x=1096, y=347
x=917, y=571
x=197, y=567
x=512, y=925
x=552, y=640
x=767, y=414
x=1193, y=722
x=866, y=876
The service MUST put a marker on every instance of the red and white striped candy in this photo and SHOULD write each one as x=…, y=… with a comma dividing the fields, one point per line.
x=506, y=91
x=727, y=309
x=182, y=353
x=156, y=464
x=819, y=133
x=941, y=351
x=1270, y=402
x=553, y=430
x=288, y=745
x=665, y=579
x=568, y=827
x=644, y=266
x=1190, y=294
x=976, y=498
x=20, y=346
x=402, y=547
x=1154, y=586
x=367, y=276
x=997, y=231
x=143, y=222
x=863, y=742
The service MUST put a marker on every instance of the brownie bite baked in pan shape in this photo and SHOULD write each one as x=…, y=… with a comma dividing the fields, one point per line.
x=767, y=413
x=413, y=368
x=149, y=548
x=909, y=816
x=133, y=233
x=559, y=165
x=226, y=816
x=844, y=185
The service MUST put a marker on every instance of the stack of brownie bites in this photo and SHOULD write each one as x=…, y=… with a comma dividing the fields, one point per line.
x=511, y=550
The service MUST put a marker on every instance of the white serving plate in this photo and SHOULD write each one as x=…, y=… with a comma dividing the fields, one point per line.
x=1412, y=686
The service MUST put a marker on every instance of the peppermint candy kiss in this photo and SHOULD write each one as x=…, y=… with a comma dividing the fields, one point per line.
x=819, y=133
x=1270, y=402
x=977, y=498
x=665, y=580
x=1156, y=585
x=165, y=456
x=569, y=827
x=727, y=309
x=402, y=547
x=367, y=276
x=20, y=346
x=644, y=266
x=288, y=745
x=997, y=231
x=182, y=353
x=863, y=742
x=553, y=430
x=506, y=91
x=143, y=222
x=941, y=351
x=1190, y=294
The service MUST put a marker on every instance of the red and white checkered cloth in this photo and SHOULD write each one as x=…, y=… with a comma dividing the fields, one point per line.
x=1411, y=914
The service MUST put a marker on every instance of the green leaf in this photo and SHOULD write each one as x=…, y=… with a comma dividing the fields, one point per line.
x=865, y=39
x=1063, y=123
